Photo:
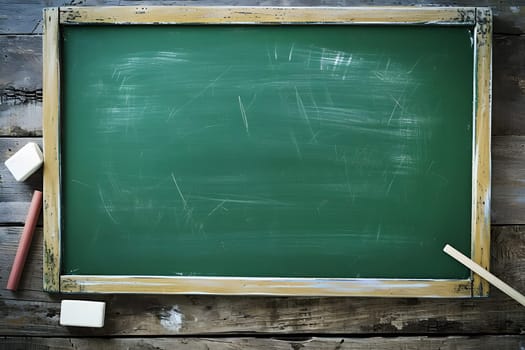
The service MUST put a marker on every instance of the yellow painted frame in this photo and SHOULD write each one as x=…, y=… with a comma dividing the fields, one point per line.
x=479, y=18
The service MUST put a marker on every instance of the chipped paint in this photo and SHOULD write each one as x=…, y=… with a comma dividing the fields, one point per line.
x=266, y=15
x=267, y=286
x=393, y=320
x=171, y=319
x=481, y=162
x=51, y=268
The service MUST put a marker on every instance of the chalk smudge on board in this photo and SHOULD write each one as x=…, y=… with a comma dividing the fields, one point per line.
x=108, y=207
x=302, y=110
x=297, y=149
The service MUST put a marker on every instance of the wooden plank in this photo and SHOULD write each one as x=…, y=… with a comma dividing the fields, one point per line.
x=51, y=100
x=31, y=280
x=15, y=196
x=508, y=85
x=21, y=85
x=264, y=15
x=33, y=312
x=508, y=204
x=266, y=286
x=23, y=17
x=230, y=343
x=481, y=156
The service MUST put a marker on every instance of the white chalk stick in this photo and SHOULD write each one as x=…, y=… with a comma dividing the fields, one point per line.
x=82, y=313
x=496, y=282
x=25, y=162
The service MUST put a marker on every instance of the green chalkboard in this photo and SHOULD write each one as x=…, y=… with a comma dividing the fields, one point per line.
x=266, y=151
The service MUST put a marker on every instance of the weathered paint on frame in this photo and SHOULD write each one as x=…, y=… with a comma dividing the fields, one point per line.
x=51, y=123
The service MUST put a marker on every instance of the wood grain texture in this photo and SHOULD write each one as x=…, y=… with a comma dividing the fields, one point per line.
x=266, y=286
x=51, y=100
x=20, y=85
x=481, y=158
x=338, y=343
x=25, y=17
x=159, y=315
x=15, y=196
x=508, y=164
x=508, y=85
x=264, y=15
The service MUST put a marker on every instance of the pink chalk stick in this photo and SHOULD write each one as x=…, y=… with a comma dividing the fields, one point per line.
x=25, y=241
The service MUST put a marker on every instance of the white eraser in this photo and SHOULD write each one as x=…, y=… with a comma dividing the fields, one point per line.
x=25, y=162
x=81, y=313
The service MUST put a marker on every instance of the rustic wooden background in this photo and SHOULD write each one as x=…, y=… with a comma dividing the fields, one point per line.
x=29, y=317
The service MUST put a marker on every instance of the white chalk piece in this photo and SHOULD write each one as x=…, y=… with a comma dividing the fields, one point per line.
x=82, y=313
x=25, y=162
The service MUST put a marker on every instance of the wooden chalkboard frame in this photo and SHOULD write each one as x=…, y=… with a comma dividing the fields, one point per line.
x=475, y=286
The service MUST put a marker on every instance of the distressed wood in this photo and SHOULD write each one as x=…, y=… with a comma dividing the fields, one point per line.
x=22, y=17
x=266, y=286
x=508, y=85
x=31, y=311
x=20, y=85
x=481, y=169
x=294, y=343
x=30, y=286
x=51, y=154
x=508, y=204
x=264, y=15
x=15, y=196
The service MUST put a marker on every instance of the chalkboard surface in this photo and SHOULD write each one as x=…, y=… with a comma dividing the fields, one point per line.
x=278, y=151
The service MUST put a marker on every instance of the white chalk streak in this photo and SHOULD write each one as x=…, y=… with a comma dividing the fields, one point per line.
x=216, y=208
x=243, y=114
x=180, y=192
x=174, y=111
x=294, y=140
x=291, y=53
x=107, y=206
x=301, y=108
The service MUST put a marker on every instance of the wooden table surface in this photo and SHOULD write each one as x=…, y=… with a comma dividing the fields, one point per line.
x=29, y=317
